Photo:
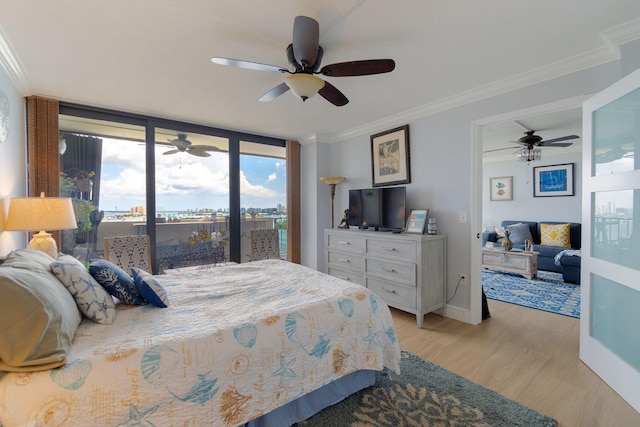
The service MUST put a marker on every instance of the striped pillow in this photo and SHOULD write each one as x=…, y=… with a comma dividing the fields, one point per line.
x=555, y=235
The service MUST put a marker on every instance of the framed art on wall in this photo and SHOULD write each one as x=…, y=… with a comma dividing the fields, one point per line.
x=554, y=180
x=501, y=188
x=390, y=157
x=417, y=221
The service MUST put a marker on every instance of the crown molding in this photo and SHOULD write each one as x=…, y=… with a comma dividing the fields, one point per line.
x=11, y=65
x=610, y=51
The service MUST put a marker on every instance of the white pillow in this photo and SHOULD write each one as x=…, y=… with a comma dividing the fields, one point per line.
x=92, y=299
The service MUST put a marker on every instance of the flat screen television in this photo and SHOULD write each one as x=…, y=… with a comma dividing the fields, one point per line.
x=381, y=208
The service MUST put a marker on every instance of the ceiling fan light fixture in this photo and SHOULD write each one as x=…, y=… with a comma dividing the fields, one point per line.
x=529, y=154
x=304, y=85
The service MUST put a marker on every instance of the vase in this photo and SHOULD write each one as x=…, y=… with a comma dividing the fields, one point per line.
x=507, y=244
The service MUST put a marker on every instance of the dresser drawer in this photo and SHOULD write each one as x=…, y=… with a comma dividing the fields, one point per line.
x=345, y=242
x=349, y=276
x=345, y=260
x=394, y=295
x=392, y=249
x=396, y=272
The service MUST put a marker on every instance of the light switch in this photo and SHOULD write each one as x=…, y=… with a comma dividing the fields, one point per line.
x=462, y=217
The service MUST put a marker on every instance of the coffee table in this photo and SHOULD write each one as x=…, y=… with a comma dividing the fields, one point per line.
x=515, y=261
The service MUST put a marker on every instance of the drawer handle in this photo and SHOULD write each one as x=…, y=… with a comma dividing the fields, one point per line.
x=344, y=260
x=389, y=249
x=392, y=291
x=344, y=243
x=389, y=270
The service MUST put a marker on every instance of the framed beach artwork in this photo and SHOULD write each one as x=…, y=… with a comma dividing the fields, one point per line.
x=417, y=221
x=501, y=188
x=553, y=181
x=390, y=163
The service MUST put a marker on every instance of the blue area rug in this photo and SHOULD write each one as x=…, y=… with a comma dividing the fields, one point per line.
x=547, y=292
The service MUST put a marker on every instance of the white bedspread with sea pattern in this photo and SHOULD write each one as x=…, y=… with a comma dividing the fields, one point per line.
x=235, y=343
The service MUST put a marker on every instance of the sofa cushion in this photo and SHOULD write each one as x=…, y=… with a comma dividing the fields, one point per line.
x=519, y=233
x=555, y=235
x=533, y=229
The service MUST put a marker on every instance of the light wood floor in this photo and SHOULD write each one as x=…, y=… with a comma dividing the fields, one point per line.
x=527, y=355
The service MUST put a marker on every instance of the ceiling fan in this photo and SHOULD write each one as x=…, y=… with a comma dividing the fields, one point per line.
x=183, y=145
x=304, y=55
x=529, y=141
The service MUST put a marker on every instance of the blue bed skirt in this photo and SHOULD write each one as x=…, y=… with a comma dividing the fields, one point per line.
x=312, y=403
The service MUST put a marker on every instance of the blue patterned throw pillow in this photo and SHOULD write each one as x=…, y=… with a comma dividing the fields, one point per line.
x=92, y=300
x=149, y=288
x=116, y=281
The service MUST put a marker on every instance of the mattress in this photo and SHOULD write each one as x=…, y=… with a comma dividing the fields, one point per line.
x=236, y=343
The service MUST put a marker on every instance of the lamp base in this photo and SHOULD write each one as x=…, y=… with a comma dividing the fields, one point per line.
x=45, y=243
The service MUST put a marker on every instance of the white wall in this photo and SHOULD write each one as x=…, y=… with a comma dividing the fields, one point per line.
x=441, y=163
x=13, y=175
x=525, y=207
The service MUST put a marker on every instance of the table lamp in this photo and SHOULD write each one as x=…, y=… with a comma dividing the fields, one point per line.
x=40, y=214
x=332, y=181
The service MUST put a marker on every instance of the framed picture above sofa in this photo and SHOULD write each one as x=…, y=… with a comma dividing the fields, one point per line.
x=501, y=188
x=552, y=181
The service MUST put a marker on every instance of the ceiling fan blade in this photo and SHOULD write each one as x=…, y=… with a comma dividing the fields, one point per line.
x=358, y=68
x=563, y=138
x=198, y=153
x=171, y=152
x=248, y=65
x=333, y=95
x=274, y=93
x=204, y=148
x=306, y=33
x=498, y=149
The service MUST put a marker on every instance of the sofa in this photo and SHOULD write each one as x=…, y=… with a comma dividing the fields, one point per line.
x=546, y=253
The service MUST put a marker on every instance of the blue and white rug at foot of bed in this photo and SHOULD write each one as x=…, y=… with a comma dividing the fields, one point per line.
x=547, y=292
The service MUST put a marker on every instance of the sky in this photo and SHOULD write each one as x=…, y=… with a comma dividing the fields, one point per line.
x=186, y=182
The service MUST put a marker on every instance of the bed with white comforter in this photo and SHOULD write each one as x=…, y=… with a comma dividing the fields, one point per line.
x=235, y=343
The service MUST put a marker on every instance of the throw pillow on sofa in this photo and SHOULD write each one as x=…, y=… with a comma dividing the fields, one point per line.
x=555, y=235
x=520, y=233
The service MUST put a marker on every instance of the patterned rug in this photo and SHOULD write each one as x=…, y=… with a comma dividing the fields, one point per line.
x=427, y=395
x=548, y=292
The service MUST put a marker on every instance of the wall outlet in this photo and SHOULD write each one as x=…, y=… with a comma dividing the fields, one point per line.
x=463, y=279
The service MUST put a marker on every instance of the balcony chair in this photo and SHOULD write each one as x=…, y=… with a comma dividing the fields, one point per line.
x=265, y=244
x=128, y=251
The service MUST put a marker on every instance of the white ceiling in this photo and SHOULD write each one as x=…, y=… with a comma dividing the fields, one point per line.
x=153, y=56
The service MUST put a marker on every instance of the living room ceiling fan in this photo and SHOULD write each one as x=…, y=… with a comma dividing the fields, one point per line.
x=183, y=145
x=530, y=141
x=304, y=55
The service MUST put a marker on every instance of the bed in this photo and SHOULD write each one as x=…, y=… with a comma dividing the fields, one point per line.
x=261, y=343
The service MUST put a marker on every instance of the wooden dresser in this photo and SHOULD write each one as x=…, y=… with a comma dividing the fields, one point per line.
x=406, y=270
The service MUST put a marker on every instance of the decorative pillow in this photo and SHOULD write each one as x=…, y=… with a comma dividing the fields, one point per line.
x=28, y=258
x=38, y=320
x=555, y=235
x=500, y=234
x=519, y=233
x=92, y=299
x=116, y=281
x=149, y=288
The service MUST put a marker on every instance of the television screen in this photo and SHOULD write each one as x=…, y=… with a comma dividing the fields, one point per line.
x=381, y=208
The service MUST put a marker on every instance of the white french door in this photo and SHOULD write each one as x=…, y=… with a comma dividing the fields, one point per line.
x=610, y=277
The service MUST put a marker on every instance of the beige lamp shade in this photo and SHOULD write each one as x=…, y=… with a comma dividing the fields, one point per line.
x=40, y=214
x=304, y=85
x=332, y=179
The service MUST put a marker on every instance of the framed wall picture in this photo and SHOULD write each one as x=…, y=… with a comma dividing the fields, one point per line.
x=417, y=221
x=390, y=163
x=552, y=181
x=501, y=188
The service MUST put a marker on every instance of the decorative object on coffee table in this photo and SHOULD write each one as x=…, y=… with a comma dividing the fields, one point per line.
x=507, y=244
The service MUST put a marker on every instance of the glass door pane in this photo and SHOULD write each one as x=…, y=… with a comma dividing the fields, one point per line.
x=102, y=169
x=192, y=199
x=263, y=193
